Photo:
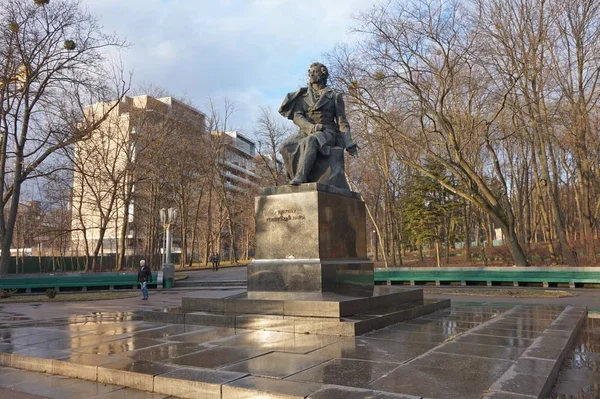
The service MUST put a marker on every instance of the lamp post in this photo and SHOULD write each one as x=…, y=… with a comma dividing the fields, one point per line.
x=168, y=218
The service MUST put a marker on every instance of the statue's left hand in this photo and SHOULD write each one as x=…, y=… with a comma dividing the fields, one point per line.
x=353, y=150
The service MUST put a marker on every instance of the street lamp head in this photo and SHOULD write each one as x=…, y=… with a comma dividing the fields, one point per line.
x=163, y=216
x=173, y=214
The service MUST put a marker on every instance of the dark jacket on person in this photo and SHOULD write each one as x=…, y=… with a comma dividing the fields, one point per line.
x=144, y=275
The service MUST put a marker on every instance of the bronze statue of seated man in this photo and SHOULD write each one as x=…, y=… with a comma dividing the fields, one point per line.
x=311, y=154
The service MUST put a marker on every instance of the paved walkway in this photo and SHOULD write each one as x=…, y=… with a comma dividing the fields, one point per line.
x=459, y=353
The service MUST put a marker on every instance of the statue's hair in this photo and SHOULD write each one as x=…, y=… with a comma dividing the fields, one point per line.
x=323, y=68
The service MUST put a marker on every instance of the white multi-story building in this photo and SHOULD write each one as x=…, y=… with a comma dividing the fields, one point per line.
x=103, y=167
x=238, y=161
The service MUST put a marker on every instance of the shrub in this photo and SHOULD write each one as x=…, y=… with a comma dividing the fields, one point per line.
x=51, y=292
x=7, y=293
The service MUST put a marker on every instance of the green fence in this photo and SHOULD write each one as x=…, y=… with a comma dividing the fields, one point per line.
x=73, y=281
x=490, y=275
x=52, y=264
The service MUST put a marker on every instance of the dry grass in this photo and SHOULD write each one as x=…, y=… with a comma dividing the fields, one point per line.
x=513, y=293
x=64, y=297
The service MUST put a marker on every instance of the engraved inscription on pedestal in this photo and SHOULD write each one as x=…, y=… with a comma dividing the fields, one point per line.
x=309, y=238
x=310, y=224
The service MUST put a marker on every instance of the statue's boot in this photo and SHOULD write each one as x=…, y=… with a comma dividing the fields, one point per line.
x=298, y=180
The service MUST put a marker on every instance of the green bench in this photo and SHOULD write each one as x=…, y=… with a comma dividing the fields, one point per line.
x=546, y=276
x=73, y=281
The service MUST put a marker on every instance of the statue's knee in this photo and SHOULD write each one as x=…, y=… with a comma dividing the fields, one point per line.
x=311, y=141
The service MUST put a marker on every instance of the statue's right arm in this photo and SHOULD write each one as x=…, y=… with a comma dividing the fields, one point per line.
x=304, y=124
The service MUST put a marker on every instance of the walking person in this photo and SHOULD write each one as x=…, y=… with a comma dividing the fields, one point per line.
x=218, y=260
x=144, y=277
x=213, y=259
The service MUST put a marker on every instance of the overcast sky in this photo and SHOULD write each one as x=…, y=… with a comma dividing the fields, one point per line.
x=250, y=51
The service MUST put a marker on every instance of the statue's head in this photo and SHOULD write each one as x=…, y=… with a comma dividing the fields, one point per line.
x=317, y=73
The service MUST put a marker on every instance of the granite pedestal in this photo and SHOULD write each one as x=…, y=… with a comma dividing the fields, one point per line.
x=310, y=238
x=311, y=274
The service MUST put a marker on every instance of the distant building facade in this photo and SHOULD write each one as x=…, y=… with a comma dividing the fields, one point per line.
x=238, y=161
x=102, y=212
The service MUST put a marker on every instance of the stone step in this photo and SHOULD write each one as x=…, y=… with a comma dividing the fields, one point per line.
x=327, y=304
x=357, y=324
x=216, y=283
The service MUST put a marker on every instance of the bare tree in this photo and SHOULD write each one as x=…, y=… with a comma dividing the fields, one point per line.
x=271, y=130
x=416, y=78
x=52, y=65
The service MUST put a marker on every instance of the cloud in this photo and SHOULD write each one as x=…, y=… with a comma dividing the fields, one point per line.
x=251, y=51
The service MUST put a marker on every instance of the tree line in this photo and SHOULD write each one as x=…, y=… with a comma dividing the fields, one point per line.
x=476, y=115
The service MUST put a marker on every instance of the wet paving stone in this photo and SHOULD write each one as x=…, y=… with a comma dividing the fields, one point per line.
x=520, y=325
x=418, y=336
x=168, y=331
x=443, y=323
x=491, y=351
x=354, y=373
x=277, y=364
x=119, y=346
x=34, y=339
x=446, y=329
x=436, y=383
x=541, y=367
x=340, y=392
x=254, y=339
x=67, y=388
x=470, y=364
x=18, y=377
x=522, y=384
x=519, y=334
x=128, y=328
x=129, y=393
x=137, y=366
x=303, y=343
x=76, y=342
x=259, y=387
x=88, y=359
x=495, y=340
x=206, y=335
x=374, y=350
x=194, y=383
x=217, y=357
x=165, y=352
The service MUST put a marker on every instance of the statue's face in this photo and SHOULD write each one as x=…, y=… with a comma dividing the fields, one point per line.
x=314, y=74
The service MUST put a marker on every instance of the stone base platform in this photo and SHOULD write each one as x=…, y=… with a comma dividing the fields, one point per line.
x=305, y=313
x=470, y=351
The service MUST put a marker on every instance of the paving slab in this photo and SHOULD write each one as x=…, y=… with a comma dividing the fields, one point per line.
x=65, y=388
x=277, y=364
x=217, y=357
x=132, y=373
x=490, y=351
x=206, y=335
x=128, y=393
x=349, y=372
x=254, y=339
x=253, y=387
x=12, y=394
x=470, y=364
x=164, y=352
x=82, y=365
x=341, y=392
x=194, y=383
x=119, y=346
x=374, y=350
x=436, y=382
x=303, y=343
